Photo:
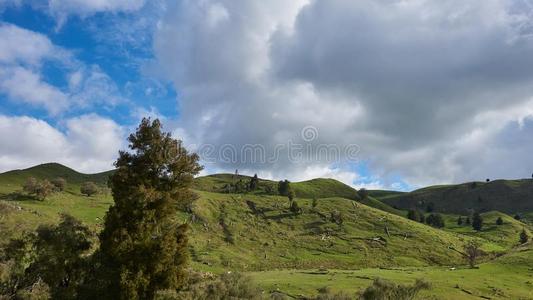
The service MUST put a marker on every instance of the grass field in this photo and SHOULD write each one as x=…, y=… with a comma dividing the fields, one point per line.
x=256, y=233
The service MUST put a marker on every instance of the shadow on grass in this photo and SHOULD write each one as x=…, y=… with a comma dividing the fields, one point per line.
x=17, y=196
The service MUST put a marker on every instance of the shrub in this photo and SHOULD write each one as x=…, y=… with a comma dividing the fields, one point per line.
x=385, y=290
x=499, y=221
x=89, y=188
x=295, y=208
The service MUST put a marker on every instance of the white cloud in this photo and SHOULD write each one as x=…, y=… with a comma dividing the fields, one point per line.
x=423, y=87
x=26, y=86
x=90, y=143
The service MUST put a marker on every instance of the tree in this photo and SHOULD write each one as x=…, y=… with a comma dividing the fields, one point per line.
x=253, y=183
x=523, y=237
x=142, y=247
x=414, y=215
x=291, y=195
x=472, y=252
x=54, y=254
x=435, y=220
x=314, y=202
x=517, y=217
x=468, y=222
x=430, y=207
x=499, y=221
x=38, y=189
x=89, y=188
x=363, y=193
x=487, y=180
x=477, y=221
x=460, y=221
x=59, y=183
x=283, y=187
x=295, y=208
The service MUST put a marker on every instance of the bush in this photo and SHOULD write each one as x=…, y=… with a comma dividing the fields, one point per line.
x=523, y=237
x=499, y=221
x=89, y=188
x=386, y=290
x=204, y=286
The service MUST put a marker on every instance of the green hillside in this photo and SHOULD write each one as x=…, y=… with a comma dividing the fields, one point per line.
x=341, y=243
x=509, y=196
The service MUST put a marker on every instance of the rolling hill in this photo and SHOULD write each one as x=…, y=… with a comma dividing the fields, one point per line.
x=509, y=196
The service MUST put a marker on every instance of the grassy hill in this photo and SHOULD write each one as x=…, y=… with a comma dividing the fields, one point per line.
x=509, y=196
x=298, y=253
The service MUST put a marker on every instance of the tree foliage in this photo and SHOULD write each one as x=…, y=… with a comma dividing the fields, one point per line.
x=283, y=187
x=477, y=221
x=499, y=221
x=89, y=188
x=435, y=220
x=50, y=258
x=59, y=183
x=472, y=252
x=38, y=189
x=524, y=237
x=142, y=248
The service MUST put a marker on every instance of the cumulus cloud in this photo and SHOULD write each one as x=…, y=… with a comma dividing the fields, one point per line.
x=423, y=87
x=89, y=143
x=22, y=56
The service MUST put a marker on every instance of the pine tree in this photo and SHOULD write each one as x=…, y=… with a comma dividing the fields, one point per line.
x=499, y=221
x=142, y=248
x=283, y=187
x=477, y=222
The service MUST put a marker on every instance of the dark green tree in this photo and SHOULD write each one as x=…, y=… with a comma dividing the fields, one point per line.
x=54, y=254
x=414, y=215
x=283, y=187
x=142, y=247
x=253, y=183
x=435, y=220
x=523, y=237
x=460, y=221
x=499, y=221
x=517, y=217
x=363, y=194
x=477, y=221
x=468, y=222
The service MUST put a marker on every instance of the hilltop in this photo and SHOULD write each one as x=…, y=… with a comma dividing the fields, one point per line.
x=509, y=196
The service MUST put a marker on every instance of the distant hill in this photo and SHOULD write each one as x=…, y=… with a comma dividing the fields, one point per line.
x=509, y=196
x=50, y=171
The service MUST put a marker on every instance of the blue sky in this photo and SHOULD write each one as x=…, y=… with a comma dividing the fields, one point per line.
x=427, y=92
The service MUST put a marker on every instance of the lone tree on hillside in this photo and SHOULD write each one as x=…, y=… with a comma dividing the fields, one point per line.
x=499, y=221
x=363, y=193
x=253, y=183
x=477, y=222
x=38, y=189
x=59, y=183
x=283, y=187
x=523, y=237
x=89, y=188
x=143, y=248
x=472, y=252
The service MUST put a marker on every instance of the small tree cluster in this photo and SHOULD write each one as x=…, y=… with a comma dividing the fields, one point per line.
x=435, y=220
x=38, y=189
x=89, y=188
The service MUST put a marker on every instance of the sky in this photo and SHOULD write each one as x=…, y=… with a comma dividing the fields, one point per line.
x=390, y=94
